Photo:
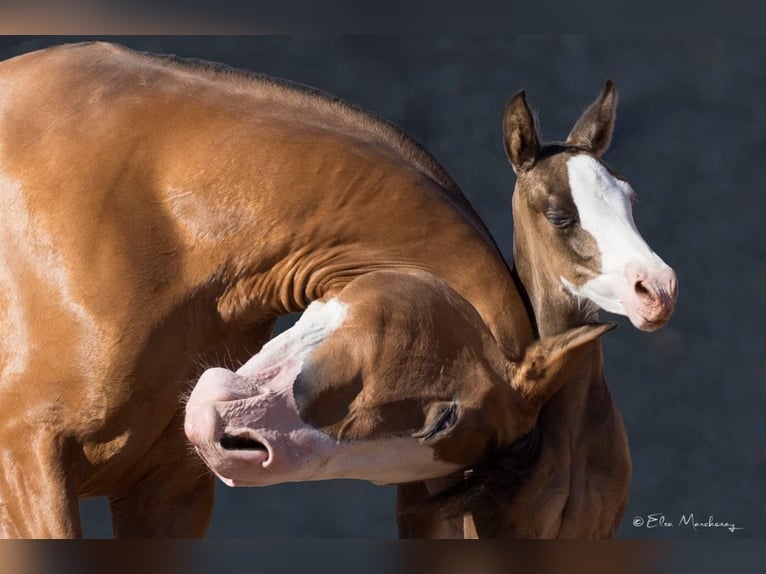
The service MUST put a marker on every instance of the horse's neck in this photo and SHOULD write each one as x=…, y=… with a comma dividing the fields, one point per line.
x=286, y=279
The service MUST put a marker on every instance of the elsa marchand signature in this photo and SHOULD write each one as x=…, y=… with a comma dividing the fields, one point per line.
x=709, y=522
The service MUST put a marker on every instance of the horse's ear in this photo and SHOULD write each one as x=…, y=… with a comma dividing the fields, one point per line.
x=594, y=129
x=546, y=363
x=520, y=134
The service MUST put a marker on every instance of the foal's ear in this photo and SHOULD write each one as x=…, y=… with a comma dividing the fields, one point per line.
x=593, y=130
x=519, y=134
x=547, y=362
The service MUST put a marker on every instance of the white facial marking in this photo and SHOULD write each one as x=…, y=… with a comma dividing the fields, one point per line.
x=298, y=452
x=257, y=402
x=382, y=461
x=604, y=207
x=317, y=322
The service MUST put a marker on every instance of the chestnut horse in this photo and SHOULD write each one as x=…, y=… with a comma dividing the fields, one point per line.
x=160, y=213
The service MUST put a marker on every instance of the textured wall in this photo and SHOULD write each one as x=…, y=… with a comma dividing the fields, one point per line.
x=690, y=137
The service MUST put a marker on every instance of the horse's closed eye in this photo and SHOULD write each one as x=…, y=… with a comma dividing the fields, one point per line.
x=447, y=420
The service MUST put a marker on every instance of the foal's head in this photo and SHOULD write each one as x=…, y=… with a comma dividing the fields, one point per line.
x=574, y=232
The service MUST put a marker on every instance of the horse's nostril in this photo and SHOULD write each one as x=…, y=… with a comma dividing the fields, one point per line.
x=231, y=442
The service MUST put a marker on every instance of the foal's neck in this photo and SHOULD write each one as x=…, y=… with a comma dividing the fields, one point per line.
x=554, y=309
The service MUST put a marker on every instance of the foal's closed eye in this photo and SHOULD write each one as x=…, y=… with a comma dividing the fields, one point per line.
x=560, y=220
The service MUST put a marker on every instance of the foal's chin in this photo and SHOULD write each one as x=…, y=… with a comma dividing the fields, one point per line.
x=647, y=325
x=649, y=317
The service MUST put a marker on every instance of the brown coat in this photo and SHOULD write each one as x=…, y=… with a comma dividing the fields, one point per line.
x=160, y=215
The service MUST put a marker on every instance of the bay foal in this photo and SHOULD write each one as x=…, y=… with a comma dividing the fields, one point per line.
x=576, y=249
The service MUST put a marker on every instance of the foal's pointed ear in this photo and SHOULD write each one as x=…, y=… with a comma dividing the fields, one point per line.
x=547, y=362
x=594, y=129
x=520, y=134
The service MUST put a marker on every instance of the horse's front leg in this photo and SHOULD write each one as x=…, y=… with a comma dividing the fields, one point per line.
x=171, y=496
x=172, y=492
x=38, y=483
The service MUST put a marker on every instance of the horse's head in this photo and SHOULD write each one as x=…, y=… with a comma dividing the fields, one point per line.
x=573, y=220
x=395, y=379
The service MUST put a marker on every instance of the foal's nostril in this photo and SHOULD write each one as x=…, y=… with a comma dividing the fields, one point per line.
x=643, y=291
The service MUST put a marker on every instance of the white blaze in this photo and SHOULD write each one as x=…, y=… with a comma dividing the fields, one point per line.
x=604, y=207
x=317, y=322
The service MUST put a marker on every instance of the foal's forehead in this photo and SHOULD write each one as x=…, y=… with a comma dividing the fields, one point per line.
x=591, y=180
x=560, y=166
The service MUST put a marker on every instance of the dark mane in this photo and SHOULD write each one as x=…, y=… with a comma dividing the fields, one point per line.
x=550, y=149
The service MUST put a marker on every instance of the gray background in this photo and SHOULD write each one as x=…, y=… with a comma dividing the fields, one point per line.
x=691, y=138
